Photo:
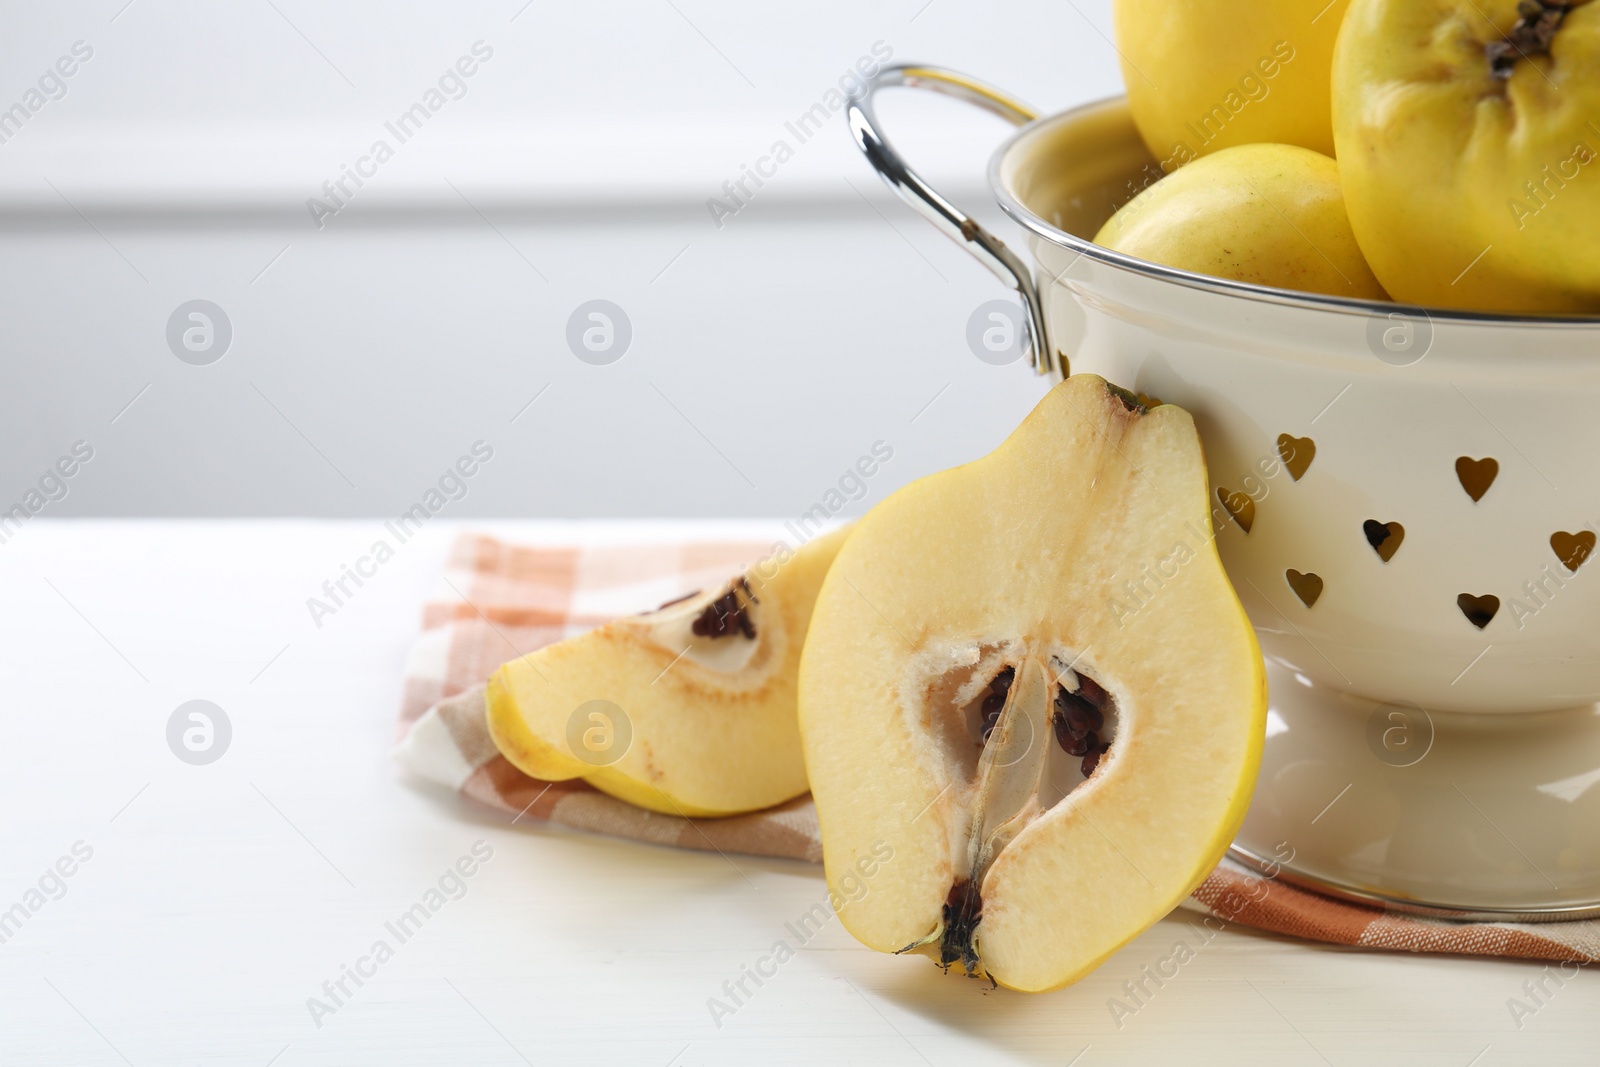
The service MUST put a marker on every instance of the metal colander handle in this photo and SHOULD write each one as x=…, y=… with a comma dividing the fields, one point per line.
x=926, y=201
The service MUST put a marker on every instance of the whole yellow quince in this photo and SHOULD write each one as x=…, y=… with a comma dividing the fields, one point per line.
x=1203, y=75
x=1467, y=133
x=1268, y=214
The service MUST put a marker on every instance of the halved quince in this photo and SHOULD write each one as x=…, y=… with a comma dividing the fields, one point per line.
x=687, y=710
x=1029, y=684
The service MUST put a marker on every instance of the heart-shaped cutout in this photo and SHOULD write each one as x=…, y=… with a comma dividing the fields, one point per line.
x=1306, y=586
x=1296, y=453
x=1479, y=610
x=1242, y=508
x=1572, y=549
x=1384, y=537
x=1476, y=475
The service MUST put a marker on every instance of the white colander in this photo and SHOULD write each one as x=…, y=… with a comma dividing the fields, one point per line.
x=1405, y=500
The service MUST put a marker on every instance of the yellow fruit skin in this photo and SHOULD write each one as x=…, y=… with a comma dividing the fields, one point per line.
x=1267, y=214
x=1203, y=75
x=1466, y=191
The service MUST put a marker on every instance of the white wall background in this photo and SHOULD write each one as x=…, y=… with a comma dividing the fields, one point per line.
x=368, y=355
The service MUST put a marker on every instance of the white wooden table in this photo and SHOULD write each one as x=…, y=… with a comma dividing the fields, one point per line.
x=218, y=899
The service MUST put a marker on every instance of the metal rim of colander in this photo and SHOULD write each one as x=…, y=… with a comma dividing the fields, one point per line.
x=1039, y=227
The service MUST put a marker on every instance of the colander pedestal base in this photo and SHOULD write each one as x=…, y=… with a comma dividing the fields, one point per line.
x=1462, y=815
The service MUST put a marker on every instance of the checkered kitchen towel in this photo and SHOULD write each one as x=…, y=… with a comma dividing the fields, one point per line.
x=504, y=601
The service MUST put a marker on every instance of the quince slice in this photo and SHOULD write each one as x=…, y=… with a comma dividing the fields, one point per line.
x=1032, y=705
x=686, y=710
